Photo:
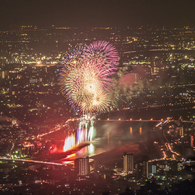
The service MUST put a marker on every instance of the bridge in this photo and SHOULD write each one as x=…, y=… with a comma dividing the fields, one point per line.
x=82, y=134
x=30, y=161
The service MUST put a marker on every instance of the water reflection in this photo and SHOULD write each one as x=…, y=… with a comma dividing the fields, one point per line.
x=107, y=136
x=131, y=130
x=140, y=130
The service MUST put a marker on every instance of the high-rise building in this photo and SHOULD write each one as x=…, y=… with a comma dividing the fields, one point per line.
x=3, y=74
x=178, y=166
x=181, y=133
x=95, y=165
x=166, y=168
x=153, y=169
x=82, y=166
x=128, y=163
x=192, y=141
x=138, y=170
x=145, y=169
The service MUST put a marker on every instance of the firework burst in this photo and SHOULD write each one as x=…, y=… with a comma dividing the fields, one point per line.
x=107, y=53
x=86, y=76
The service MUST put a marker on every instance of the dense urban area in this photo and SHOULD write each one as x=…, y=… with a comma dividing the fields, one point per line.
x=154, y=96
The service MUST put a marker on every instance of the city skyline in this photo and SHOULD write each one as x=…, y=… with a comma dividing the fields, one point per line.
x=143, y=144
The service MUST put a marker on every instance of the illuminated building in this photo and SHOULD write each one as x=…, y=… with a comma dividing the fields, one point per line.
x=82, y=166
x=166, y=168
x=142, y=169
x=192, y=141
x=128, y=163
x=181, y=132
x=3, y=74
x=145, y=169
x=153, y=169
x=154, y=69
x=178, y=166
x=95, y=165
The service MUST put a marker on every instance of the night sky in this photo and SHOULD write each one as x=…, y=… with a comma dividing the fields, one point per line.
x=96, y=12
